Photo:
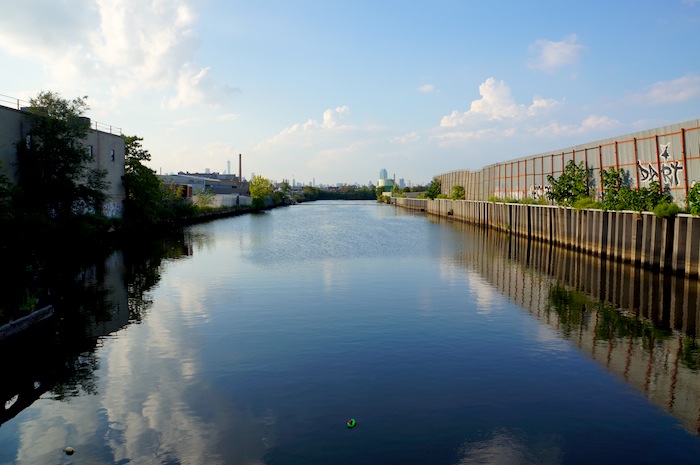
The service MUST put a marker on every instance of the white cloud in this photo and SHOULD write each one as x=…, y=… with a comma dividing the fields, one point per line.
x=195, y=87
x=323, y=146
x=407, y=138
x=332, y=118
x=678, y=90
x=426, y=88
x=459, y=136
x=591, y=124
x=48, y=26
x=228, y=117
x=496, y=104
x=136, y=45
x=497, y=122
x=550, y=55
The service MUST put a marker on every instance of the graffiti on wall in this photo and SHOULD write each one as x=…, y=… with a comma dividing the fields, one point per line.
x=112, y=209
x=668, y=175
x=537, y=191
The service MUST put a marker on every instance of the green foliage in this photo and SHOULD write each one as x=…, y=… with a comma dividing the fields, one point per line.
x=644, y=198
x=278, y=197
x=55, y=176
x=434, y=189
x=175, y=207
x=145, y=193
x=310, y=193
x=149, y=202
x=380, y=193
x=693, y=200
x=571, y=185
x=205, y=198
x=497, y=199
x=285, y=188
x=574, y=310
x=585, y=203
x=261, y=190
x=666, y=210
x=346, y=192
x=457, y=193
x=616, y=187
x=533, y=201
x=690, y=353
x=619, y=195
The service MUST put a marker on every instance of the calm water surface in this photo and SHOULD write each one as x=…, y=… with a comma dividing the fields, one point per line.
x=262, y=335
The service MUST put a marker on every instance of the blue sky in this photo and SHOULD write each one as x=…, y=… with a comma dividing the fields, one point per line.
x=332, y=91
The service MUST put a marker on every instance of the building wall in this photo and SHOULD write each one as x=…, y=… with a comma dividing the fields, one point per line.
x=14, y=126
x=108, y=153
x=225, y=200
x=668, y=154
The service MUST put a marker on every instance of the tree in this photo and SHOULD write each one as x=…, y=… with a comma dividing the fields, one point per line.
x=616, y=189
x=285, y=188
x=457, y=192
x=55, y=176
x=379, y=192
x=310, y=192
x=693, y=200
x=260, y=190
x=571, y=185
x=434, y=189
x=144, y=191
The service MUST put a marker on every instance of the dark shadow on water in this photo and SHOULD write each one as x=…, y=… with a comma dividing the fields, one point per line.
x=93, y=296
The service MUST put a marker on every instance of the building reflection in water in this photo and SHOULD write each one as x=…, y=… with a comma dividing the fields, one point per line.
x=639, y=324
x=91, y=301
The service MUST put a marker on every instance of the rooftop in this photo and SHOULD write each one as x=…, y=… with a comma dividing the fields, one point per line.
x=18, y=104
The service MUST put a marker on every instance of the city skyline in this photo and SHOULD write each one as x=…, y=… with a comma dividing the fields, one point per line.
x=331, y=93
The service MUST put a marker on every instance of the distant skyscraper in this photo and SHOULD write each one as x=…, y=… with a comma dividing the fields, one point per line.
x=382, y=174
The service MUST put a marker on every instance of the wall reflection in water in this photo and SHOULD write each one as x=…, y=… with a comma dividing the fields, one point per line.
x=640, y=325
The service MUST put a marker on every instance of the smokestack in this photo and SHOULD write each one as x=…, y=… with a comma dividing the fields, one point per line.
x=240, y=167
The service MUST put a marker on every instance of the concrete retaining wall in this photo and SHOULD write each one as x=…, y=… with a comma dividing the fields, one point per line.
x=642, y=239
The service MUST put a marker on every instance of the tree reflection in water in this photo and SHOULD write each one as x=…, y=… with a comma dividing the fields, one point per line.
x=639, y=324
x=90, y=295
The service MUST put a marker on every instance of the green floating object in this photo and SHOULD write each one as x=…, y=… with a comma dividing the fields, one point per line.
x=351, y=423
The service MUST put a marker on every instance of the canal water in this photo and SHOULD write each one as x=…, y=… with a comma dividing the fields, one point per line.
x=255, y=339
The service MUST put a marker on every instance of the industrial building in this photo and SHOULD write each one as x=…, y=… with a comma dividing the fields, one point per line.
x=106, y=146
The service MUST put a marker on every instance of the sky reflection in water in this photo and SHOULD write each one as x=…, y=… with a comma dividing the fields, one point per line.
x=280, y=327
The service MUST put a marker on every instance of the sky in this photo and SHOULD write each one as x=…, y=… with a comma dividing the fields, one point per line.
x=330, y=92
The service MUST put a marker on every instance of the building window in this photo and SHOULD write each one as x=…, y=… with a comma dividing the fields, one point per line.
x=112, y=154
x=89, y=150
